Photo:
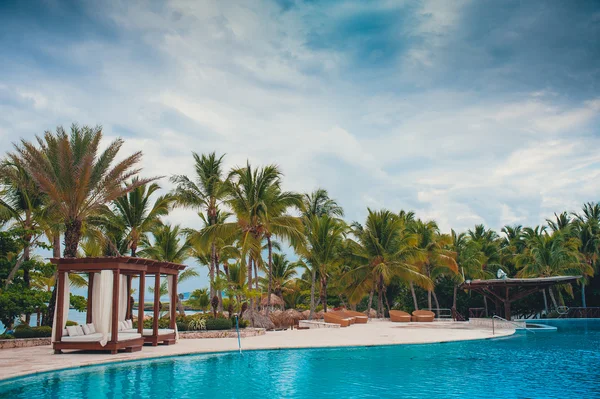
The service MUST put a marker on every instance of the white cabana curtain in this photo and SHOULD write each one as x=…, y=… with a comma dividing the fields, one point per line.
x=170, y=285
x=123, y=297
x=66, y=304
x=102, y=303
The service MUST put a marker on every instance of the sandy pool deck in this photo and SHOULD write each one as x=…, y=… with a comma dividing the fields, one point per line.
x=22, y=361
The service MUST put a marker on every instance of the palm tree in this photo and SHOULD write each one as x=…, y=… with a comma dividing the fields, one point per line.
x=469, y=258
x=437, y=259
x=167, y=247
x=322, y=253
x=136, y=215
x=205, y=192
x=78, y=180
x=22, y=202
x=385, y=249
x=587, y=228
x=283, y=273
x=552, y=255
x=318, y=203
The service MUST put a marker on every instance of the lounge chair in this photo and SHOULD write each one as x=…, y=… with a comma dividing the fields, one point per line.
x=333, y=318
x=423, y=316
x=398, y=316
x=360, y=317
x=344, y=315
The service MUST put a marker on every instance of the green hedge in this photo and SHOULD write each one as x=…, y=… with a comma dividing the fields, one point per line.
x=36, y=332
x=218, y=324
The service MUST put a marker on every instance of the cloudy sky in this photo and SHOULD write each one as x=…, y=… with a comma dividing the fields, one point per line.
x=464, y=111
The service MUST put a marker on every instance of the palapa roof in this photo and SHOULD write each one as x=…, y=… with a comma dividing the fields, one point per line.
x=275, y=301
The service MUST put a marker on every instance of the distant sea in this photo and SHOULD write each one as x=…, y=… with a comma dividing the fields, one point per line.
x=79, y=317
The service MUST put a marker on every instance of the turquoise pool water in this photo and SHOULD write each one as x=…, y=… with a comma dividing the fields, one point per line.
x=565, y=364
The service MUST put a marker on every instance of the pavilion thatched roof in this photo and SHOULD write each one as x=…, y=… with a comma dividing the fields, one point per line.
x=275, y=301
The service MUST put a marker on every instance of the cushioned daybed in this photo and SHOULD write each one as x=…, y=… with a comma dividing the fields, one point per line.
x=398, y=316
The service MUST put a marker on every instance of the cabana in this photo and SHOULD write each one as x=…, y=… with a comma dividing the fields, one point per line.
x=109, y=311
x=165, y=335
x=508, y=290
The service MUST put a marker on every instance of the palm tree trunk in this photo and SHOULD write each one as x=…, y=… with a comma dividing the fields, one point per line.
x=270, y=277
x=14, y=270
x=324, y=292
x=219, y=292
x=486, y=306
x=429, y=299
x=211, y=270
x=583, y=303
x=256, y=277
x=312, y=292
x=454, y=296
x=49, y=315
x=370, y=303
x=249, y=270
x=545, y=301
x=552, y=297
x=437, y=304
x=414, y=295
x=72, y=236
x=387, y=302
x=180, y=307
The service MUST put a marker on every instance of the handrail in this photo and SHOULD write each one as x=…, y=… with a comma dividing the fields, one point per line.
x=508, y=321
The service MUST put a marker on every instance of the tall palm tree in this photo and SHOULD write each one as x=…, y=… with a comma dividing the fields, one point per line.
x=283, y=274
x=167, y=246
x=136, y=215
x=77, y=178
x=469, y=258
x=386, y=249
x=318, y=203
x=322, y=253
x=587, y=229
x=437, y=259
x=204, y=192
x=22, y=202
x=552, y=255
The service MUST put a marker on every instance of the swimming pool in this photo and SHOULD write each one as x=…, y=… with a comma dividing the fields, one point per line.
x=564, y=364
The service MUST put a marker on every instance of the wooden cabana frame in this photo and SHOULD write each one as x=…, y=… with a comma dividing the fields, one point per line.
x=508, y=290
x=168, y=270
x=123, y=265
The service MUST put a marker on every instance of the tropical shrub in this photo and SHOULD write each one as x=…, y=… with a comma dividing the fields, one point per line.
x=7, y=336
x=218, y=324
x=71, y=323
x=24, y=331
x=196, y=323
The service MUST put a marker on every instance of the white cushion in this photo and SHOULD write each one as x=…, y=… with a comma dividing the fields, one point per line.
x=161, y=331
x=122, y=326
x=79, y=330
x=129, y=323
x=72, y=330
x=65, y=332
x=86, y=329
x=92, y=328
x=85, y=338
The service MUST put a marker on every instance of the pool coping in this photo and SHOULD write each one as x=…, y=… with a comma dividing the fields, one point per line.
x=501, y=335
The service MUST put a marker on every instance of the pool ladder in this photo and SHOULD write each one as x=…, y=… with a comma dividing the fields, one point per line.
x=508, y=321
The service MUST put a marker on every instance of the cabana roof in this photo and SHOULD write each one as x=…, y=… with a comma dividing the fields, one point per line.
x=123, y=263
x=508, y=290
x=521, y=282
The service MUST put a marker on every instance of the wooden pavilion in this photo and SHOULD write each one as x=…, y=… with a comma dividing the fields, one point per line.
x=507, y=290
x=109, y=304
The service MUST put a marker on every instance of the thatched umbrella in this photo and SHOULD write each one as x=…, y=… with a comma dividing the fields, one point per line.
x=275, y=317
x=319, y=315
x=371, y=313
x=294, y=316
x=257, y=320
x=275, y=301
x=306, y=314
